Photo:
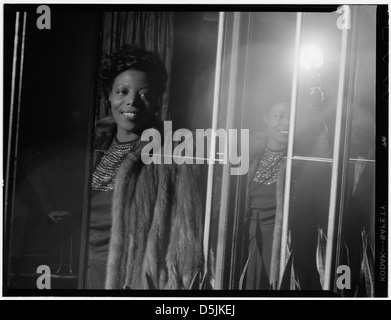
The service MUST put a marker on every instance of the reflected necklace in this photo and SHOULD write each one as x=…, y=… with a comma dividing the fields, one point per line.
x=103, y=178
x=268, y=167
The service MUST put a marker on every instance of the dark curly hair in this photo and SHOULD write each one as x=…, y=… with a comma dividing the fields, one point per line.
x=132, y=57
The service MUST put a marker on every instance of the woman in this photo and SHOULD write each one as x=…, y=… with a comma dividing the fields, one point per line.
x=265, y=198
x=146, y=220
x=267, y=150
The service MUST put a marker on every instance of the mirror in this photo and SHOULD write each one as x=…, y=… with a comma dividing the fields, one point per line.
x=269, y=243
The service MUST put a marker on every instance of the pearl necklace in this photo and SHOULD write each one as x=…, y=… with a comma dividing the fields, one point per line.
x=103, y=178
x=268, y=167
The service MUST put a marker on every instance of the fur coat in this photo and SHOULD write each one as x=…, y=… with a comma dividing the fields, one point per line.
x=157, y=221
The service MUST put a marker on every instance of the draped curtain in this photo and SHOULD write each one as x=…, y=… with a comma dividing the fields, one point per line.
x=152, y=31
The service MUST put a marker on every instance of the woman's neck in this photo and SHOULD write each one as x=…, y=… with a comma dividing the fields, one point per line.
x=127, y=137
x=275, y=145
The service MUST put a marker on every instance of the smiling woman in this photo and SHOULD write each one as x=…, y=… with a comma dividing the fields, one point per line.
x=146, y=220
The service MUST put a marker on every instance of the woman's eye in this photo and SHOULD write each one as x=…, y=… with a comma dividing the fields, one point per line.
x=122, y=91
x=145, y=95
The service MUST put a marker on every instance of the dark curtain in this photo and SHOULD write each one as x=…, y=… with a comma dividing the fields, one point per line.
x=152, y=31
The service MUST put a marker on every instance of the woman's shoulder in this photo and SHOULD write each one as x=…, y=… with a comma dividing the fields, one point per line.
x=105, y=124
x=105, y=131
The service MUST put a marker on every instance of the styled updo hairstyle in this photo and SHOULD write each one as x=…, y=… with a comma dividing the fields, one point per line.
x=131, y=57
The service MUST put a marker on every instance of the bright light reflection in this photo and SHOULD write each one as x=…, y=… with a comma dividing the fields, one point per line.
x=311, y=57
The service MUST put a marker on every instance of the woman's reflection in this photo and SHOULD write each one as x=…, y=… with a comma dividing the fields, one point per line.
x=267, y=151
x=265, y=199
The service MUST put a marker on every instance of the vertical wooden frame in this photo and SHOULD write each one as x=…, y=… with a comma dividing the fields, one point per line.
x=231, y=93
x=13, y=134
x=338, y=159
x=288, y=174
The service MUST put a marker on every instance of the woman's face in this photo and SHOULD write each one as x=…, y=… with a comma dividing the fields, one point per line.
x=133, y=103
x=277, y=122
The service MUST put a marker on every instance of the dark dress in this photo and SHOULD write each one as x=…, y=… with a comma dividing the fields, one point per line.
x=261, y=229
x=100, y=227
x=103, y=182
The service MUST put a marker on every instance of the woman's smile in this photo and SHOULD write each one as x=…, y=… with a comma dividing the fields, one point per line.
x=132, y=115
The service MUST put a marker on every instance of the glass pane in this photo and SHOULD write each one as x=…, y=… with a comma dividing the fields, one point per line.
x=308, y=218
x=270, y=65
x=318, y=84
x=268, y=90
x=356, y=244
x=269, y=84
x=269, y=81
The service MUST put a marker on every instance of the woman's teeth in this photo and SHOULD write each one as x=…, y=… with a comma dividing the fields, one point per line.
x=284, y=131
x=131, y=115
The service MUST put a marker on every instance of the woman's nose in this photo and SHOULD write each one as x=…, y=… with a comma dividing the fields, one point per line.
x=130, y=99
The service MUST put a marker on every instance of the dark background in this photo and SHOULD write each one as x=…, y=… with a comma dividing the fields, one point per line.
x=55, y=112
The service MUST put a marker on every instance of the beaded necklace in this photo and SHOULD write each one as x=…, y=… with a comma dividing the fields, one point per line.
x=103, y=178
x=268, y=167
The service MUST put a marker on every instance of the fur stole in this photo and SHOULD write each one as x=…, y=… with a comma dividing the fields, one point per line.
x=157, y=222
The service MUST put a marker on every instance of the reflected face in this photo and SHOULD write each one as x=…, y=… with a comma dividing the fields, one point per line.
x=277, y=122
x=133, y=103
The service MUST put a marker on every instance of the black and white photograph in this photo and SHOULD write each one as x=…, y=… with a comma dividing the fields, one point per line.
x=195, y=151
